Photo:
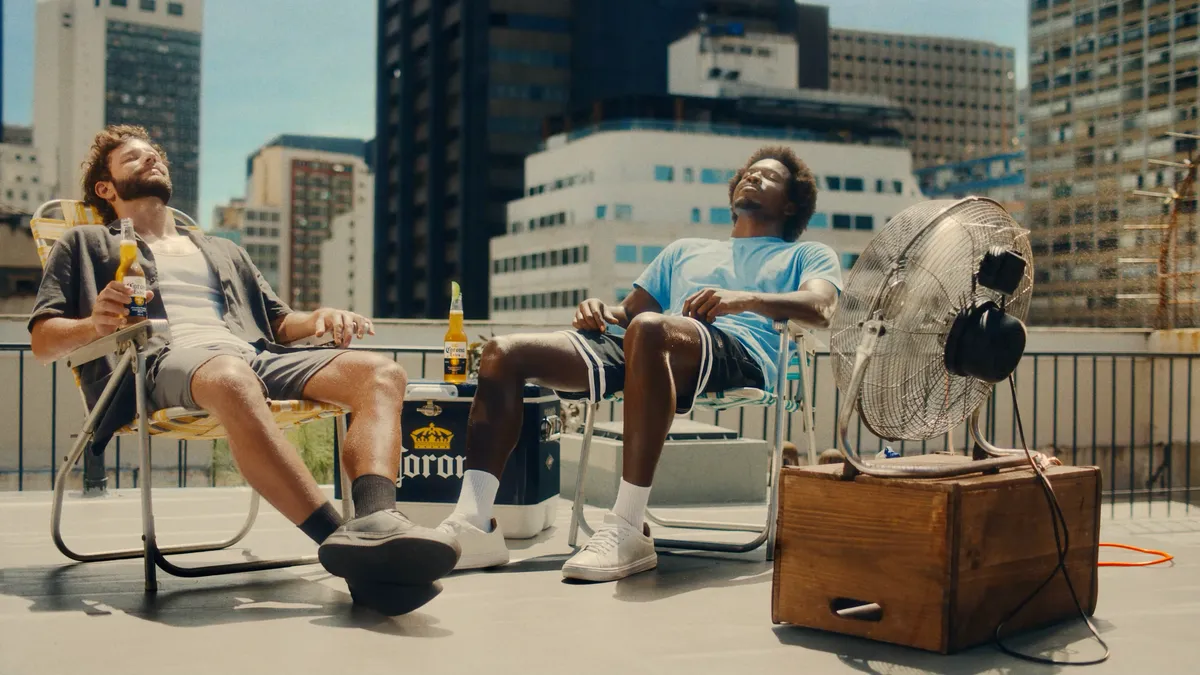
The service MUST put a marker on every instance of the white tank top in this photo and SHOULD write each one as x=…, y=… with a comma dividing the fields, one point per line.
x=191, y=293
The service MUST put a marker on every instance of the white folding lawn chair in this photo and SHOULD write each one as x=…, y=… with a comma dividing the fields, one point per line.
x=783, y=401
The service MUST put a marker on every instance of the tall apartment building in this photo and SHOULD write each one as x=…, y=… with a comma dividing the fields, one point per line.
x=961, y=93
x=1108, y=80
x=296, y=186
x=101, y=62
x=463, y=89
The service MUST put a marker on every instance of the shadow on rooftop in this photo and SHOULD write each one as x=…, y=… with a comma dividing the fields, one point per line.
x=103, y=589
x=1064, y=642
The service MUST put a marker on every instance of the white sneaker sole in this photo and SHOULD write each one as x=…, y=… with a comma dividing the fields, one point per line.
x=609, y=573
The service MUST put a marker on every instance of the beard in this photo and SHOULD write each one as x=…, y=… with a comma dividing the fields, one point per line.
x=140, y=186
x=744, y=203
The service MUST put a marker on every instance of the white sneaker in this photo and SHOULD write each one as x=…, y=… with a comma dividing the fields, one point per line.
x=479, y=549
x=616, y=551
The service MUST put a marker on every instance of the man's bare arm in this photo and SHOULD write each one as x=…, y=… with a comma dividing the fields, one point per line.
x=344, y=325
x=594, y=314
x=812, y=305
x=54, y=337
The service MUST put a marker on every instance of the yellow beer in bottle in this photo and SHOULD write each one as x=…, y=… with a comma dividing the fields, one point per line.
x=455, y=349
x=130, y=273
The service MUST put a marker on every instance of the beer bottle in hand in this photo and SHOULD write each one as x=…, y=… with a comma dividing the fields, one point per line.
x=455, y=356
x=130, y=273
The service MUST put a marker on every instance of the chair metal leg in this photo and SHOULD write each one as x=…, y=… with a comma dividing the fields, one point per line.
x=149, y=542
x=766, y=532
x=153, y=556
x=585, y=447
x=340, y=428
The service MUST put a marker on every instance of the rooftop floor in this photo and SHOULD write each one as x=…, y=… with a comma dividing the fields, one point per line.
x=694, y=614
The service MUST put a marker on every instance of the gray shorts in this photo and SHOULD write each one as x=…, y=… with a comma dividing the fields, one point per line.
x=283, y=372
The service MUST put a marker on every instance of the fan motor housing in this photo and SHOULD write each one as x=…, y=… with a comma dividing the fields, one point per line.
x=985, y=343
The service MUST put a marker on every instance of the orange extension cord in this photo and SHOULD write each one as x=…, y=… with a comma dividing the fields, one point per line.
x=1163, y=557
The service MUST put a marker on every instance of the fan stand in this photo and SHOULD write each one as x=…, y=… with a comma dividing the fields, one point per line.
x=987, y=458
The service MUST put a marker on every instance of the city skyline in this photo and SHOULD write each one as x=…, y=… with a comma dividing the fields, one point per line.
x=296, y=85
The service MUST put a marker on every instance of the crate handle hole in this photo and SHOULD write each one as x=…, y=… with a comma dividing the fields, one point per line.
x=858, y=610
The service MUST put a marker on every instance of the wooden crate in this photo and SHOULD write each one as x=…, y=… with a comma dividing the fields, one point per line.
x=945, y=560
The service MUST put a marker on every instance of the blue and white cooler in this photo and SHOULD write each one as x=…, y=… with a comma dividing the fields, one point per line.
x=434, y=424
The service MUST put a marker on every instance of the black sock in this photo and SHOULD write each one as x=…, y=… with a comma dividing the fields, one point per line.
x=372, y=493
x=321, y=523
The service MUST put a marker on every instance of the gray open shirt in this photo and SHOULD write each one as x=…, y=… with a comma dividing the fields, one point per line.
x=85, y=260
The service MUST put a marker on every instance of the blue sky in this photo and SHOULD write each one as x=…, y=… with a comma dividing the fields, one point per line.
x=307, y=67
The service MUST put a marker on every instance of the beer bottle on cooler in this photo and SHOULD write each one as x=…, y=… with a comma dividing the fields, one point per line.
x=130, y=273
x=455, y=348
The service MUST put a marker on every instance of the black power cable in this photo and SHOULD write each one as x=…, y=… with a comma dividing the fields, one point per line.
x=1062, y=546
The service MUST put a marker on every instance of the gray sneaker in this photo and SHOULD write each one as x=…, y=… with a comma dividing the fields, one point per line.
x=386, y=547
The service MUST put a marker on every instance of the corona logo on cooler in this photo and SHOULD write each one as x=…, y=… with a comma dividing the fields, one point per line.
x=432, y=437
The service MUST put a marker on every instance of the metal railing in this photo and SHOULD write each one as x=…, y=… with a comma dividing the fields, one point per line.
x=1133, y=414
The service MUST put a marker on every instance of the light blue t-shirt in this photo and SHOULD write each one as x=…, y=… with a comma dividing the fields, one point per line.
x=753, y=264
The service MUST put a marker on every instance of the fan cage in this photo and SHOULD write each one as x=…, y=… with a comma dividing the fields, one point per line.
x=915, y=276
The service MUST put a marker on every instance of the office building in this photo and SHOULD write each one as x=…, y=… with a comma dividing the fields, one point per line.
x=961, y=93
x=463, y=90
x=348, y=270
x=608, y=192
x=21, y=187
x=102, y=62
x=296, y=186
x=1108, y=82
x=999, y=177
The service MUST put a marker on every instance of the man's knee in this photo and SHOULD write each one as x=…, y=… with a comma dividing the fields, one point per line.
x=225, y=379
x=502, y=356
x=389, y=380
x=647, y=331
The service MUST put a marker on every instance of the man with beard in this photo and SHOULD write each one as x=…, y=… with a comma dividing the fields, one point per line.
x=699, y=320
x=223, y=354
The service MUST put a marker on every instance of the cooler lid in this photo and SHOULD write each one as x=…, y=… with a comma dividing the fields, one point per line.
x=437, y=390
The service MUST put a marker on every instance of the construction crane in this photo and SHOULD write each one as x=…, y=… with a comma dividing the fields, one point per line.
x=1176, y=267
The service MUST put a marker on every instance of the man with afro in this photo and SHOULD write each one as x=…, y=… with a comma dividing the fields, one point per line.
x=699, y=319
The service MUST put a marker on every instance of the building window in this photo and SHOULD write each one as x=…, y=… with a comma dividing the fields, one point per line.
x=148, y=5
x=864, y=222
x=854, y=184
x=119, y=3
x=623, y=212
x=833, y=182
x=175, y=8
x=665, y=174
x=695, y=215
x=688, y=176
x=712, y=176
x=841, y=221
x=626, y=253
x=600, y=211
x=848, y=260
x=550, y=24
x=898, y=186
x=879, y=181
x=649, y=253
x=819, y=220
x=720, y=215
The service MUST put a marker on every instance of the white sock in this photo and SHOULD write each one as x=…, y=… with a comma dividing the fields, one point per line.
x=477, y=497
x=631, y=503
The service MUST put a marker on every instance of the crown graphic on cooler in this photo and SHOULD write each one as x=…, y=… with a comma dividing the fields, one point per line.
x=432, y=437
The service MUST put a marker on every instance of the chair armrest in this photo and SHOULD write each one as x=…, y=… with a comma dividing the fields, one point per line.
x=117, y=341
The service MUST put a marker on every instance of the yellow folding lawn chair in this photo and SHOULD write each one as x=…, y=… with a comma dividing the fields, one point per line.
x=126, y=350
